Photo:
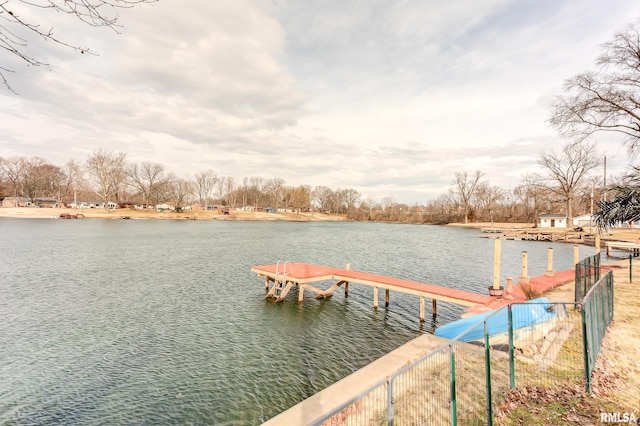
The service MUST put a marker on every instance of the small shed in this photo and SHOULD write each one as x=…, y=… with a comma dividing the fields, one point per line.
x=553, y=220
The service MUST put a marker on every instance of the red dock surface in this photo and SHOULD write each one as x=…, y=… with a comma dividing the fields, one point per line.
x=305, y=273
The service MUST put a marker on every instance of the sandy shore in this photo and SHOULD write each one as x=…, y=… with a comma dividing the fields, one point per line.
x=49, y=213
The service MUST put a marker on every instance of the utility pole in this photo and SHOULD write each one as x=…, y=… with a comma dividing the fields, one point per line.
x=605, y=178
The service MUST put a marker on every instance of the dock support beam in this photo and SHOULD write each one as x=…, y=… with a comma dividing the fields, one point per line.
x=301, y=293
x=375, y=297
x=421, y=308
x=434, y=307
x=386, y=298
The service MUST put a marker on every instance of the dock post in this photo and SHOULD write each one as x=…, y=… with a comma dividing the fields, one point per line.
x=434, y=307
x=386, y=298
x=549, y=272
x=496, y=263
x=346, y=284
x=524, y=278
x=597, y=243
x=576, y=255
x=421, y=308
x=375, y=297
x=301, y=293
x=266, y=283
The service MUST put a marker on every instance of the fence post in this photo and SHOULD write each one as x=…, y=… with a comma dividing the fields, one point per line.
x=585, y=346
x=454, y=410
x=512, y=369
x=487, y=364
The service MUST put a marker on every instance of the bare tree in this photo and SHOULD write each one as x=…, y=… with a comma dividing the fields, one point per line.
x=106, y=171
x=530, y=192
x=204, y=185
x=607, y=100
x=231, y=191
x=322, y=198
x=351, y=198
x=146, y=178
x=565, y=171
x=20, y=29
x=35, y=178
x=465, y=187
x=486, y=198
x=12, y=169
x=180, y=192
x=301, y=198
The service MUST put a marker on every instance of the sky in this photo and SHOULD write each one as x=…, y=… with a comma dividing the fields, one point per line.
x=391, y=98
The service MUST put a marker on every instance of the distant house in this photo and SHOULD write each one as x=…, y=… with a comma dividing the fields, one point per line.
x=583, y=221
x=25, y=202
x=91, y=204
x=553, y=220
x=16, y=202
x=165, y=207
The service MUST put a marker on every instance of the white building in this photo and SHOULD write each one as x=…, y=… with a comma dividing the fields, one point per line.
x=553, y=220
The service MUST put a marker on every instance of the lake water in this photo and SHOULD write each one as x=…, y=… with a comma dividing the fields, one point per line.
x=162, y=322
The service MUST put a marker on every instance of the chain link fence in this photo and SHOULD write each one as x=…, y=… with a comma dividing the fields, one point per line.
x=537, y=343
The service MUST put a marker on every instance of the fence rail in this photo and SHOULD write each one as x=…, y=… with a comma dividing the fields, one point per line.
x=543, y=344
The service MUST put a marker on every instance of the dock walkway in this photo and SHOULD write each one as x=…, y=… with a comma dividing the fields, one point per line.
x=280, y=278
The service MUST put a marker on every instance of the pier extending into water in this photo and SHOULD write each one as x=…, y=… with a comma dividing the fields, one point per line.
x=281, y=277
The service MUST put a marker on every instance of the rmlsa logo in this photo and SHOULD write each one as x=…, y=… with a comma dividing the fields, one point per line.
x=619, y=418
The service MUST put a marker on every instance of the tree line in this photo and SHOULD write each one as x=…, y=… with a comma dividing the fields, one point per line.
x=565, y=186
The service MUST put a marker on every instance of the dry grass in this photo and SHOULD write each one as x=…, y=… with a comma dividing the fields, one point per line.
x=615, y=381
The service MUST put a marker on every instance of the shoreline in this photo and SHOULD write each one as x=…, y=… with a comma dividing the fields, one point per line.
x=133, y=214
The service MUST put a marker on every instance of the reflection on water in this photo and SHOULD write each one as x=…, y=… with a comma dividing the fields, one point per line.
x=162, y=322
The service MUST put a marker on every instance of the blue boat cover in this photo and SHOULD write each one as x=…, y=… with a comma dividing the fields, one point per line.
x=532, y=312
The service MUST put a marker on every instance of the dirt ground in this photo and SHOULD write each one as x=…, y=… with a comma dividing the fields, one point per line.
x=29, y=212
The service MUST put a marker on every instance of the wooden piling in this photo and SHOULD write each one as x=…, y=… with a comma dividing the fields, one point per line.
x=375, y=297
x=496, y=263
x=346, y=284
x=576, y=254
x=434, y=307
x=549, y=272
x=386, y=298
x=421, y=308
x=524, y=278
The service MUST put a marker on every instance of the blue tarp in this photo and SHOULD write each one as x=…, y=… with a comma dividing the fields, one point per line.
x=533, y=312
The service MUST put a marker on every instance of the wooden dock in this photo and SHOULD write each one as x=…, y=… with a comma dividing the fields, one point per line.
x=623, y=246
x=532, y=234
x=281, y=277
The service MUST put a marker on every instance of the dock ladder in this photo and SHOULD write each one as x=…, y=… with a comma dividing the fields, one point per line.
x=280, y=284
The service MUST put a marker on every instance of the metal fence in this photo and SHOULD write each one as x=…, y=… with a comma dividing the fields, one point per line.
x=597, y=314
x=587, y=274
x=464, y=381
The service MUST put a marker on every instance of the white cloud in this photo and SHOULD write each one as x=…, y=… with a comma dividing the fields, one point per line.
x=389, y=98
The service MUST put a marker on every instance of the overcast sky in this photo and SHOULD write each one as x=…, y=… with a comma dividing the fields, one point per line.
x=390, y=98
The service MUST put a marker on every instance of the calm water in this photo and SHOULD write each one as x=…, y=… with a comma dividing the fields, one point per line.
x=125, y=322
